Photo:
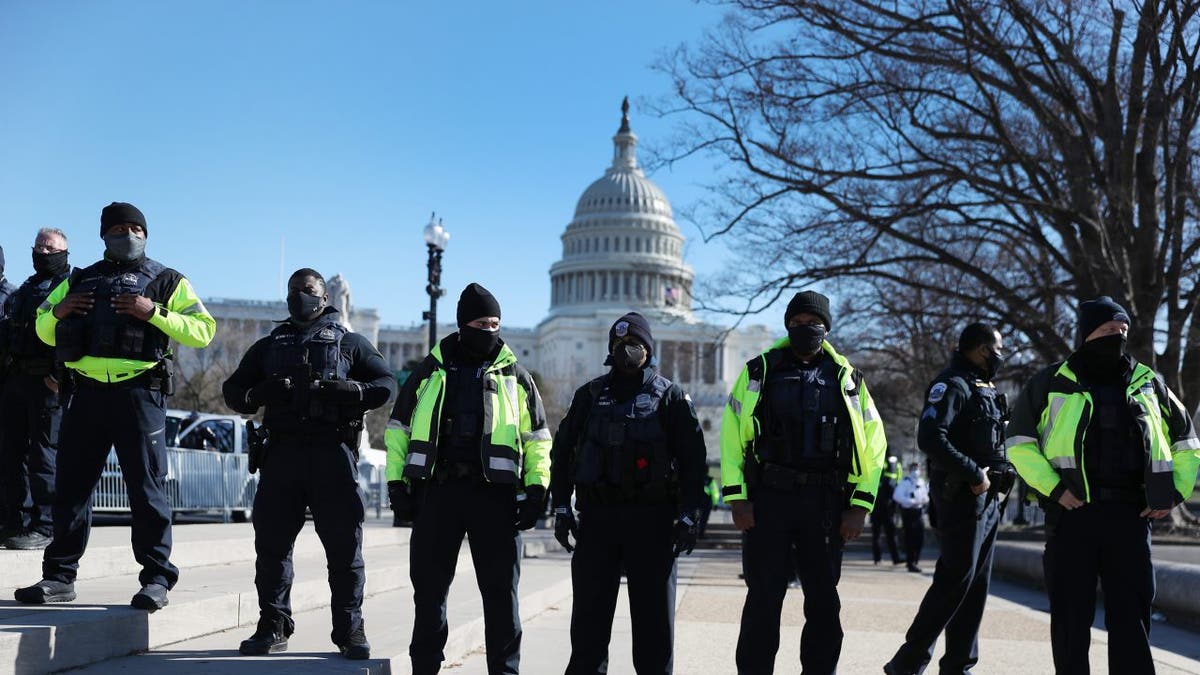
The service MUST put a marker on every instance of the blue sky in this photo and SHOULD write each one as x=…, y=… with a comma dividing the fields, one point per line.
x=335, y=127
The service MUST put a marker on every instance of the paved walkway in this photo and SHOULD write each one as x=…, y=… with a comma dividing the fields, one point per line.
x=878, y=603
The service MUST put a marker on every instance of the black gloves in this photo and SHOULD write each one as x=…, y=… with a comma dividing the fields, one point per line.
x=564, y=524
x=274, y=390
x=687, y=531
x=339, y=391
x=403, y=505
x=532, y=507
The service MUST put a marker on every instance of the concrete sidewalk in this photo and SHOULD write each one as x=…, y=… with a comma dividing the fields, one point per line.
x=878, y=602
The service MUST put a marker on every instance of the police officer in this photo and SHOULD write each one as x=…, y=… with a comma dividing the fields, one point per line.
x=468, y=453
x=29, y=409
x=911, y=496
x=632, y=451
x=316, y=380
x=1108, y=447
x=802, y=451
x=6, y=291
x=962, y=431
x=111, y=324
x=883, y=516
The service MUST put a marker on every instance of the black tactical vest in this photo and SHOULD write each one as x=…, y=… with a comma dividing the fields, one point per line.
x=104, y=333
x=306, y=355
x=1114, y=451
x=29, y=354
x=804, y=421
x=625, y=442
x=978, y=431
x=462, y=413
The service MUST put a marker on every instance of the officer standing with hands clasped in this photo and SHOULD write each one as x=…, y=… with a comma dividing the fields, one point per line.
x=111, y=324
x=29, y=408
x=468, y=453
x=962, y=432
x=316, y=380
x=632, y=451
x=1109, y=448
x=802, y=451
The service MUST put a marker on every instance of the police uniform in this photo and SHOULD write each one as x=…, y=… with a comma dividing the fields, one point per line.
x=804, y=442
x=962, y=431
x=30, y=416
x=1121, y=442
x=883, y=516
x=468, y=435
x=631, y=450
x=118, y=368
x=310, y=459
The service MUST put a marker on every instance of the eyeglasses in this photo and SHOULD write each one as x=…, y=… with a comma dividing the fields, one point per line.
x=47, y=249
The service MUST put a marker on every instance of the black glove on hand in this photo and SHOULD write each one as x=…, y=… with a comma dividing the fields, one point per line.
x=532, y=508
x=339, y=391
x=687, y=531
x=274, y=390
x=564, y=524
x=402, y=501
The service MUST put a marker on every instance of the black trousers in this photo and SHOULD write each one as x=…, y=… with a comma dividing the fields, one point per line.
x=133, y=420
x=883, y=524
x=322, y=477
x=485, y=513
x=807, y=523
x=967, y=526
x=1108, y=541
x=914, y=534
x=29, y=423
x=636, y=541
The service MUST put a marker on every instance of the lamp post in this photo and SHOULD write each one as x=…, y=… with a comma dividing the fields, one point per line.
x=436, y=238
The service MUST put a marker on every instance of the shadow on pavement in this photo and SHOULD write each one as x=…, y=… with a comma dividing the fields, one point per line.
x=229, y=661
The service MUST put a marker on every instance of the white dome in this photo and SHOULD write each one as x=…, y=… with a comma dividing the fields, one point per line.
x=622, y=248
x=626, y=191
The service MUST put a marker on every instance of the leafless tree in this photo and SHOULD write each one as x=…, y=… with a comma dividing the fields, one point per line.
x=1010, y=157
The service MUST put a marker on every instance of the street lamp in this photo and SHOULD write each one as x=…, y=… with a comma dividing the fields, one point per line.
x=436, y=238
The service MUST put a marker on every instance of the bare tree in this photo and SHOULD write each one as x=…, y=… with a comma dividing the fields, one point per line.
x=1008, y=156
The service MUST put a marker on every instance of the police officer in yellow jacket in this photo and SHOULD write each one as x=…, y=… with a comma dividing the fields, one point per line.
x=1108, y=447
x=111, y=324
x=468, y=453
x=802, y=452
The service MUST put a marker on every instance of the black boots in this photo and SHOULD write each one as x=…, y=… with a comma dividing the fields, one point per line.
x=355, y=645
x=270, y=637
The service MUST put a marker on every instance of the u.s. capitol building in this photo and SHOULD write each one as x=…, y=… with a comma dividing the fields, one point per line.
x=622, y=251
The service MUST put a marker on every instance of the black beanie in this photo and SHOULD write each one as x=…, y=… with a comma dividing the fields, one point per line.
x=1096, y=313
x=631, y=324
x=811, y=302
x=475, y=302
x=118, y=213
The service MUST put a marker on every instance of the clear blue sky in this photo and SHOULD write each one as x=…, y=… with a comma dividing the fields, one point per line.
x=337, y=126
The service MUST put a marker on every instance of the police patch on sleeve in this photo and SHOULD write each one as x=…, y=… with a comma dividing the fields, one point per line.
x=936, y=392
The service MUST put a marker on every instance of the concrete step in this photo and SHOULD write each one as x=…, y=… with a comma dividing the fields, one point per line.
x=209, y=598
x=195, y=545
x=388, y=616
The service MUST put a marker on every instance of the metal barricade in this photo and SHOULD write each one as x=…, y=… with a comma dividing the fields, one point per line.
x=197, y=481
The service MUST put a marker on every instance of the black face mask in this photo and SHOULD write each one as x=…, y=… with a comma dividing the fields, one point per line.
x=50, y=264
x=629, y=357
x=124, y=247
x=806, y=339
x=304, y=307
x=992, y=363
x=478, y=342
x=1106, y=350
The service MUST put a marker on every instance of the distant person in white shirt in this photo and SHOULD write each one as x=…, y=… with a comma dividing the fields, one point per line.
x=911, y=495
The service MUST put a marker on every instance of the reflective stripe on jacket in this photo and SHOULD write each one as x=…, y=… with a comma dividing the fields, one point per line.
x=739, y=430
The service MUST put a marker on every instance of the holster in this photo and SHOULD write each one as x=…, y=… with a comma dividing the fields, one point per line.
x=256, y=444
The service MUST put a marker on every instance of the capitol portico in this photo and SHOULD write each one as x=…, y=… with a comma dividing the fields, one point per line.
x=621, y=251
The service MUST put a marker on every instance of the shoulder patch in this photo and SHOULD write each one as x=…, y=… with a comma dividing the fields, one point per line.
x=936, y=392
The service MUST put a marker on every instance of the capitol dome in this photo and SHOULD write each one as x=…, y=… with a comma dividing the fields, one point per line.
x=622, y=249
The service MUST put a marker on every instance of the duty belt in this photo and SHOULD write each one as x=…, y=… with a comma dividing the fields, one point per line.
x=147, y=380
x=1127, y=495
x=457, y=470
x=780, y=477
